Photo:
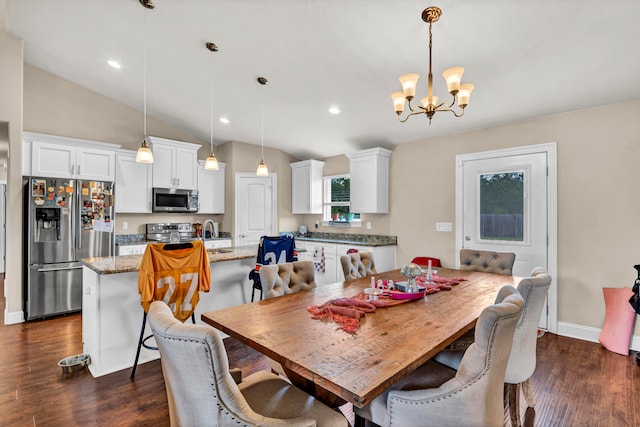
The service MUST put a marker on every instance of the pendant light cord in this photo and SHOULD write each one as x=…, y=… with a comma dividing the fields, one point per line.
x=145, y=75
x=211, y=114
x=262, y=130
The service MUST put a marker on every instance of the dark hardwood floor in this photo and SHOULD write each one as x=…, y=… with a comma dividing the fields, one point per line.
x=576, y=383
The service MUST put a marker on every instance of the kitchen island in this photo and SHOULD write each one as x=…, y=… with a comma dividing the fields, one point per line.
x=111, y=310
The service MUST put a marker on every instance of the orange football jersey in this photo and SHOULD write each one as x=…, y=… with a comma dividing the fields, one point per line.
x=174, y=276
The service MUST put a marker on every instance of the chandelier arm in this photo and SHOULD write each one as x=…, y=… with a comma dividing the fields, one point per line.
x=410, y=107
x=452, y=111
x=412, y=114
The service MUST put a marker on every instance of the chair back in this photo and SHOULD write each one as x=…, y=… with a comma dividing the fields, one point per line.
x=358, y=264
x=474, y=397
x=175, y=274
x=200, y=389
x=522, y=362
x=487, y=261
x=276, y=250
x=287, y=278
x=424, y=261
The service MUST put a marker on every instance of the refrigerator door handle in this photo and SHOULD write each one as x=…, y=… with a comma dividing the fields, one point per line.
x=46, y=269
x=78, y=219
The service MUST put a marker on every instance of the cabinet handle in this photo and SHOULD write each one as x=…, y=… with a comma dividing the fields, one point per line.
x=72, y=167
x=78, y=169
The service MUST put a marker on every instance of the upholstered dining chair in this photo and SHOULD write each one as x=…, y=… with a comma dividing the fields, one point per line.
x=202, y=392
x=358, y=264
x=287, y=278
x=439, y=396
x=487, y=261
x=522, y=361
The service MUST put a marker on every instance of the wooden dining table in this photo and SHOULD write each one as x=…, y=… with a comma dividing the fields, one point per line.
x=338, y=367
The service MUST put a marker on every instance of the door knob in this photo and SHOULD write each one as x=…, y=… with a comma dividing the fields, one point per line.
x=467, y=238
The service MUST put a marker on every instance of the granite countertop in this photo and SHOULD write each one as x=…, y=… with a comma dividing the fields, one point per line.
x=140, y=239
x=349, y=239
x=131, y=263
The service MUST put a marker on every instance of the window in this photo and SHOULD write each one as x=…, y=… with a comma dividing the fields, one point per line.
x=502, y=206
x=336, y=199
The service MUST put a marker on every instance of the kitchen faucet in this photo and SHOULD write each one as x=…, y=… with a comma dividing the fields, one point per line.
x=204, y=229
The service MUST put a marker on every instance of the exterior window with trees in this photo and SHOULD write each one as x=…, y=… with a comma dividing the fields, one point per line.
x=337, y=193
x=502, y=206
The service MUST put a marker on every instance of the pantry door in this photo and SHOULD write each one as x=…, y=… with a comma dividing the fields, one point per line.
x=256, y=208
x=504, y=205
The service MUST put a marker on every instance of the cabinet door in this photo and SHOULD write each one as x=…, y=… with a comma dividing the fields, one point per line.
x=186, y=172
x=306, y=187
x=163, y=166
x=211, y=190
x=95, y=164
x=52, y=160
x=133, y=185
x=329, y=273
x=369, y=171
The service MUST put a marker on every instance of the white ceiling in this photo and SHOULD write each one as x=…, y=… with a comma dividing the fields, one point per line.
x=526, y=58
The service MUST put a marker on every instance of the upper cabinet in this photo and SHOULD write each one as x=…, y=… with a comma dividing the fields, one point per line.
x=174, y=164
x=306, y=187
x=211, y=189
x=133, y=184
x=59, y=157
x=369, y=171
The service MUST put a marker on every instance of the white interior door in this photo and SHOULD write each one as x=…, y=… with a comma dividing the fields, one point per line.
x=255, y=207
x=503, y=206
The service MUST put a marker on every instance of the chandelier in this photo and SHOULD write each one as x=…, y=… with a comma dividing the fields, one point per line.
x=429, y=104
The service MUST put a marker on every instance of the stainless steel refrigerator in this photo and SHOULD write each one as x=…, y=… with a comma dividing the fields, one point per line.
x=65, y=220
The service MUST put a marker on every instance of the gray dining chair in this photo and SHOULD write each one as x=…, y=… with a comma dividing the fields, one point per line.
x=287, y=278
x=522, y=361
x=358, y=264
x=435, y=395
x=487, y=261
x=202, y=392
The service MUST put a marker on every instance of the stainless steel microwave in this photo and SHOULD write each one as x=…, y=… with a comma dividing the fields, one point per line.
x=175, y=200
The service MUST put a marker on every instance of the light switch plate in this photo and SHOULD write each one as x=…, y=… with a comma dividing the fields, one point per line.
x=444, y=226
x=368, y=225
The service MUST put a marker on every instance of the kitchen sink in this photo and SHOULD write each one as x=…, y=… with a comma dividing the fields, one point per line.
x=221, y=250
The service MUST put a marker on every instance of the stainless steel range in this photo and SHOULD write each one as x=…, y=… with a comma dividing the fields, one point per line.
x=162, y=232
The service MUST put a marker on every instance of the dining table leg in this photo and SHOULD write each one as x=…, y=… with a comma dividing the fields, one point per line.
x=313, y=389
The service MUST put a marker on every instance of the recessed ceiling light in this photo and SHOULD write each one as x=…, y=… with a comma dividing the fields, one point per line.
x=334, y=110
x=224, y=120
x=114, y=64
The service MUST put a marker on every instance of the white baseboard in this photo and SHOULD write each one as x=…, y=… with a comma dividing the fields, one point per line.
x=11, y=317
x=588, y=333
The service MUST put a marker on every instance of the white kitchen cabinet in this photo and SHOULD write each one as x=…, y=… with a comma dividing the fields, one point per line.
x=384, y=257
x=131, y=249
x=60, y=157
x=329, y=275
x=211, y=189
x=174, y=164
x=306, y=187
x=133, y=184
x=369, y=172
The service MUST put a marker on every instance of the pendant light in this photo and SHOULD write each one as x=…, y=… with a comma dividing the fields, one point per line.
x=144, y=154
x=262, y=168
x=211, y=164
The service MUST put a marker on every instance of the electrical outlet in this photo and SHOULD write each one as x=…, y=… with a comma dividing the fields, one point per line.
x=368, y=225
x=317, y=224
x=444, y=226
x=125, y=225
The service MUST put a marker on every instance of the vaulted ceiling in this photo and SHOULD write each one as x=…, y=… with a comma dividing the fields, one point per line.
x=526, y=59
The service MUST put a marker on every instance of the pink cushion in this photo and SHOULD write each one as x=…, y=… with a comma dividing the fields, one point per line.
x=618, y=323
